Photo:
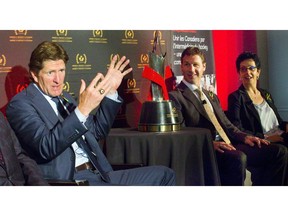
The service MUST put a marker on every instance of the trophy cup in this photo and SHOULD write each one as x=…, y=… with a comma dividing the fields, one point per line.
x=158, y=114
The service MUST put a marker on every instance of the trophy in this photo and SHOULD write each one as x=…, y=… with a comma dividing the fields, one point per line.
x=158, y=114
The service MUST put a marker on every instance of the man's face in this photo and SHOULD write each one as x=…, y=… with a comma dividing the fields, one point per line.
x=51, y=78
x=193, y=69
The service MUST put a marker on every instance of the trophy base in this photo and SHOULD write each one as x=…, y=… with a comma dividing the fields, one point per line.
x=158, y=116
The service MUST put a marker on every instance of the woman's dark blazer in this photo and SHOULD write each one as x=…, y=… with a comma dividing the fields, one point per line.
x=243, y=114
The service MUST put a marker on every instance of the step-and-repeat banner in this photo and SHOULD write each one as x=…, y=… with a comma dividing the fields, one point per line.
x=90, y=52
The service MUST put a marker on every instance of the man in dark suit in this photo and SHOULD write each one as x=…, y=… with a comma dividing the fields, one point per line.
x=267, y=162
x=66, y=147
x=16, y=168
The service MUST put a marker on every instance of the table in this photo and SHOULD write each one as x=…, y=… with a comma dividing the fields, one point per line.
x=189, y=152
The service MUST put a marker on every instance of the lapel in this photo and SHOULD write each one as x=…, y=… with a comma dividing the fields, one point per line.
x=214, y=103
x=42, y=105
x=268, y=98
x=248, y=103
x=190, y=96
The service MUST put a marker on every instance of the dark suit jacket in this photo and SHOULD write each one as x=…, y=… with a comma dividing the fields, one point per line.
x=16, y=168
x=48, y=141
x=243, y=114
x=192, y=113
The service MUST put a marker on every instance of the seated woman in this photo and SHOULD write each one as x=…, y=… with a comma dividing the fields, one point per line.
x=252, y=109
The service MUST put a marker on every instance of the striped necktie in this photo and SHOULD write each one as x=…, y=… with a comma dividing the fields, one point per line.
x=62, y=109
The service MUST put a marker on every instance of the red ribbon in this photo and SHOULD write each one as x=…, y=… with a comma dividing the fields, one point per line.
x=155, y=77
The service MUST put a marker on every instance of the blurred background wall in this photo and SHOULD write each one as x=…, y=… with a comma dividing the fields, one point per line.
x=90, y=52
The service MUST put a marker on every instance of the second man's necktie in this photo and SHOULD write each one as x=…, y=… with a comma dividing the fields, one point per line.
x=212, y=117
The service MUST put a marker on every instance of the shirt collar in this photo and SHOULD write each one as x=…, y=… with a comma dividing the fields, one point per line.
x=192, y=87
x=45, y=95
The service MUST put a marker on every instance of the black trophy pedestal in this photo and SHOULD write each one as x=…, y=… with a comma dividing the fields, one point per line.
x=158, y=116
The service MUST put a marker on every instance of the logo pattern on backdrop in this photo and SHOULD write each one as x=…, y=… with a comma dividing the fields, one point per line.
x=81, y=62
x=20, y=36
x=90, y=51
x=129, y=37
x=3, y=67
x=98, y=37
x=62, y=36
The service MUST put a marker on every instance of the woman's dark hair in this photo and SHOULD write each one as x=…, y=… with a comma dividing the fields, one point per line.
x=247, y=55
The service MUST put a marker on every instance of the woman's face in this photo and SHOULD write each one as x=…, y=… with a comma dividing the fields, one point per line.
x=249, y=74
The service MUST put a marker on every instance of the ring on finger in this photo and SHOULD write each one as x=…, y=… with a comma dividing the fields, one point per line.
x=101, y=91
